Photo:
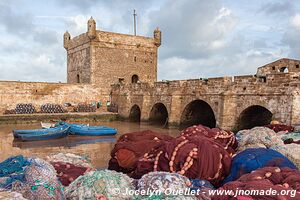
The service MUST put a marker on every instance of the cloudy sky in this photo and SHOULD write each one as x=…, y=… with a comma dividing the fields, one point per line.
x=201, y=38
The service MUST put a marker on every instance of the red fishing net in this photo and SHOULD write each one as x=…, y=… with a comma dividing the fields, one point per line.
x=280, y=127
x=192, y=156
x=131, y=146
x=263, y=179
x=225, y=138
x=67, y=172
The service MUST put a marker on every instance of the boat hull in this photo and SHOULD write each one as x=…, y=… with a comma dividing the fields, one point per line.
x=41, y=134
x=84, y=130
x=87, y=131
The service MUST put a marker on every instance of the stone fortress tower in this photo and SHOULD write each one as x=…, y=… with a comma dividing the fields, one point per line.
x=106, y=58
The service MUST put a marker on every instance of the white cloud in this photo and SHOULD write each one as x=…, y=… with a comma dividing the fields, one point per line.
x=295, y=21
x=200, y=38
x=223, y=13
x=77, y=24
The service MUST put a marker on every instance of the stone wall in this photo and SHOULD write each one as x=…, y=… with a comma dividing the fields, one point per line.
x=38, y=93
x=227, y=97
x=105, y=58
x=78, y=58
x=118, y=57
x=283, y=65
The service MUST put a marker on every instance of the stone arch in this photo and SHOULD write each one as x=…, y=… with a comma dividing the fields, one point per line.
x=252, y=116
x=198, y=112
x=159, y=114
x=135, y=113
x=134, y=78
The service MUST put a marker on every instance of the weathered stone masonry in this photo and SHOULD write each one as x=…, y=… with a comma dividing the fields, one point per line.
x=38, y=93
x=105, y=58
x=233, y=102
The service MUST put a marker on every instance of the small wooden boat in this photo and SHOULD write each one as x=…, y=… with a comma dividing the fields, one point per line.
x=84, y=130
x=59, y=131
x=91, y=130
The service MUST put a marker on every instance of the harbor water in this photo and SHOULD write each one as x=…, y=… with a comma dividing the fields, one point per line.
x=97, y=149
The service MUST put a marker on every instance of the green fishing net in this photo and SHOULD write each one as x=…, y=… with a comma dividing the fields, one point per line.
x=164, y=186
x=102, y=183
x=258, y=137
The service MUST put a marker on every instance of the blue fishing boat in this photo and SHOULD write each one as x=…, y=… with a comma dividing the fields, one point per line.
x=91, y=130
x=59, y=131
x=84, y=130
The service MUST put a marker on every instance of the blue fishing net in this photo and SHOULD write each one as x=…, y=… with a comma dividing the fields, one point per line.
x=11, y=170
x=198, y=184
x=254, y=158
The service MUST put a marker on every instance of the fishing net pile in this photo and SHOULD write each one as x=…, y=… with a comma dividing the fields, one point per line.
x=223, y=137
x=70, y=158
x=195, y=157
x=285, y=143
x=52, y=108
x=40, y=182
x=103, y=184
x=199, y=184
x=131, y=146
x=165, y=185
x=11, y=170
x=293, y=137
x=34, y=178
x=291, y=151
x=258, y=137
x=280, y=128
x=67, y=172
x=254, y=158
x=202, y=188
x=69, y=166
x=9, y=195
x=85, y=107
x=263, y=179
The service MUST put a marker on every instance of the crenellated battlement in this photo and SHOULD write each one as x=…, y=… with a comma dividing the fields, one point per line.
x=269, y=80
x=77, y=41
x=105, y=58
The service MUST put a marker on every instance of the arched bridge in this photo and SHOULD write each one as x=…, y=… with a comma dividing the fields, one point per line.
x=229, y=102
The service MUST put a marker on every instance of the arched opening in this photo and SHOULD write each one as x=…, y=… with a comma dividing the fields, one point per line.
x=77, y=78
x=254, y=116
x=135, y=114
x=159, y=114
x=284, y=70
x=198, y=112
x=134, y=78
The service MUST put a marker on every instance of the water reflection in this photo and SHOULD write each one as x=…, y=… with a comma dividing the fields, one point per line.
x=96, y=148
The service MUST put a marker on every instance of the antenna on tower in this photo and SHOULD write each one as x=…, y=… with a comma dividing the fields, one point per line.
x=134, y=21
